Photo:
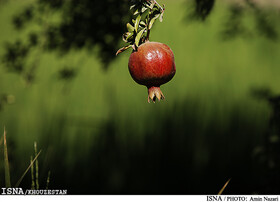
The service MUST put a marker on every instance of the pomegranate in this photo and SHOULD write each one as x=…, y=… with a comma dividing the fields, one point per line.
x=152, y=65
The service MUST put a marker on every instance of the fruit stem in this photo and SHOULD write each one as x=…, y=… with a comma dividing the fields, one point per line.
x=148, y=30
x=158, y=5
x=148, y=36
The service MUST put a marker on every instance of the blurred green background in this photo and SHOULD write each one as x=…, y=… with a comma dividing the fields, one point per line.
x=99, y=135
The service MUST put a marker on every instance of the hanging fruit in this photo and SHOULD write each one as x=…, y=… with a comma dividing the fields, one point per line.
x=150, y=63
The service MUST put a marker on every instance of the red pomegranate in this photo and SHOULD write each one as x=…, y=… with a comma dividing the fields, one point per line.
x=152, y=65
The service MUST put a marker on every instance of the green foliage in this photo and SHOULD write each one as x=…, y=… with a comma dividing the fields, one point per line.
x=31, y=168
x=6, y=163
x=147, y=12
x=7, y=166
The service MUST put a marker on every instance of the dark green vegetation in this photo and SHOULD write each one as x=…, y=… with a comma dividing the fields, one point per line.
x=99, y=135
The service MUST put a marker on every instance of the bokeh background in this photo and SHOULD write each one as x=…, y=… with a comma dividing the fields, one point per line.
x=62, y=86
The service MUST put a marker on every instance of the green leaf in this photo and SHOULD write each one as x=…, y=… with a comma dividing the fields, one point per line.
x=130, y=28
x=156, y=11
x=136, y=12
x=152, y=21
x=151, y=6
x=127, y=36
x=144, y=9
x=138, y=37
x=131, y=7
x=143, y=23
x=137, y=21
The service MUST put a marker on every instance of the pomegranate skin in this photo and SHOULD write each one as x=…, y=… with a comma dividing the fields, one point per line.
x=152, y=64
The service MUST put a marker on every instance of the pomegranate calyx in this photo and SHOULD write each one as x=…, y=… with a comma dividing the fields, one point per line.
x=155, y=93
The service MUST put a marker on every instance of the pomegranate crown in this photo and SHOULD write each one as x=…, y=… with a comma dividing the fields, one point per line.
x=145, y=12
